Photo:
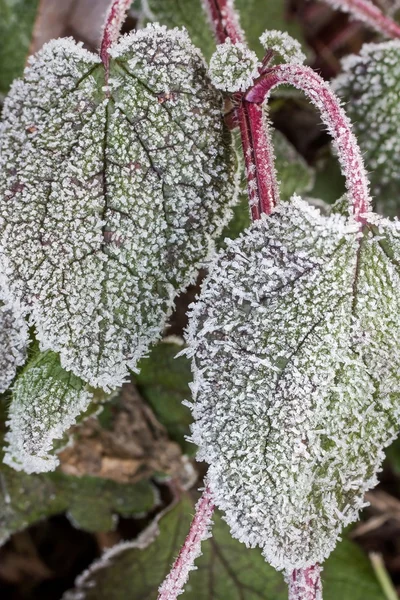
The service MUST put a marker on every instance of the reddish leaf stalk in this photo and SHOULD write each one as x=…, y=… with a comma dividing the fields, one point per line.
x=114, y=21
x=333, y=116
x=305, y=584
x=191, y=549
x=368, y=13
x=257, y=147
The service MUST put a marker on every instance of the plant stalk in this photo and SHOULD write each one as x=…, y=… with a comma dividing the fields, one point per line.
x=199, y=531
x=115, y=18
x=305, y=584
x=333, y=116
x=258, y=153
x=370, y=14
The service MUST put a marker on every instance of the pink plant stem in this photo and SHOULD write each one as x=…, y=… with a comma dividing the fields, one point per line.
x=199, y=531
x=366, y=11
x=114, y=21
x=305, y=584
x=334, y=117
x=257, y=148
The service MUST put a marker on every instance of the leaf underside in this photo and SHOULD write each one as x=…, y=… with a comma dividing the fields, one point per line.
x=110, y=200
x=296, y=377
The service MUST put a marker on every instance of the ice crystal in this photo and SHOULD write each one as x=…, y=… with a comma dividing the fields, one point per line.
x=282, y=43
x=370, y=84
x=13, y=343
x=233, y=67
x=112, y=194
x=296, y=361
x=45, y=402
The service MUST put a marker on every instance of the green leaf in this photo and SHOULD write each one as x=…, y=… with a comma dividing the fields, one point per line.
x=91, y=503
x=226, y=569
x=296, y=361
x=255, y=16
x=111, y=200
x=45, y=402
x=163, y=381
x=17, y=18
x=370, y=86
x=348, y=575
x=13, y=343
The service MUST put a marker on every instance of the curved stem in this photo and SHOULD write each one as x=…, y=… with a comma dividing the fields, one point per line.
x=305, y=584
x=368, y=13
x=114, y=21
x=199, y=531
x=333, y=116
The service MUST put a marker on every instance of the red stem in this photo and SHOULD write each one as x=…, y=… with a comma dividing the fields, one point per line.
x=366, y=11
x=114, y=21
x=334, y=117
x=257, y=148
x=305, y=584
x=224, y=20
x=173, y=584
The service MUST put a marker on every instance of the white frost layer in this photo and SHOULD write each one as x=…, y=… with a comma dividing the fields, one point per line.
x=42, y=409
x=111, y=203
x=13, y=343
x=296, y=361
x=233, y=67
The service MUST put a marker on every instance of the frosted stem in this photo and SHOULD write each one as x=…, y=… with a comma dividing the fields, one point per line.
x=256, y=143
x=334, y=117
x=199, y=531
x=224, y=20
x=368, y=13
x=305, y=584
x=114, y=21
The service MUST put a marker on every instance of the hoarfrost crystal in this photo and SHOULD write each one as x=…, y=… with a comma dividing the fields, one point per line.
x=233, y=67
x=111, y=194
x=46, y=401
x=296, y=359
x=286, y=46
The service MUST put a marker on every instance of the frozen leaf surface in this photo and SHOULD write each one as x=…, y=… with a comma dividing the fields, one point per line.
x=370, y=86
x=13, y=343
x=111, y=196
x=296, y=376
x=46, y=400
x=233, y=67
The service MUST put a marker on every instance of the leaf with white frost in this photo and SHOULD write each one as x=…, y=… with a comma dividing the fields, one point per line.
x=111, y=198
x=370, y=86
x=13, y=343
x=46, y=400
x=296, y=360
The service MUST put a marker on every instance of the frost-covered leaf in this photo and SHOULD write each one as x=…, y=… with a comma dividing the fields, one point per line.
x=91, y=503
x=226, y=569
x=370, y=86
x=13, y=343
x=163, y=381
x=296, y=387
x=288, y=49
x=46, y=400
x=17, y=18
x=233, y=67
x=110, y=199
